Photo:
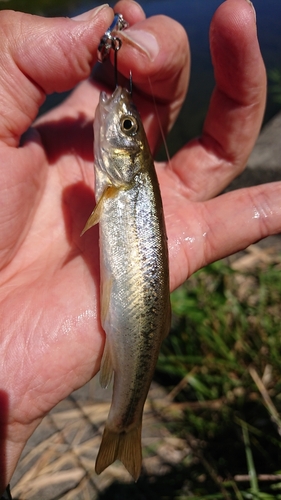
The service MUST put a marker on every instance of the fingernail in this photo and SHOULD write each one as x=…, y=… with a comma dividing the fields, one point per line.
x=143, y=41
x=87, y=16
x=254, y=10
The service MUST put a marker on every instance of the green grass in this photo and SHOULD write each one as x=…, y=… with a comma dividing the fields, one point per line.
x=222, y=366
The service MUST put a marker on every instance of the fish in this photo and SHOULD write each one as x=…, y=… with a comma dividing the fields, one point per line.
x=134, y=272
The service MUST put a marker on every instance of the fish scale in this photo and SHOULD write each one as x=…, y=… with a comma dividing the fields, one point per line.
x=135, y=301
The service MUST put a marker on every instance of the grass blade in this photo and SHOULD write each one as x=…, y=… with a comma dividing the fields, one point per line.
x=250, y=462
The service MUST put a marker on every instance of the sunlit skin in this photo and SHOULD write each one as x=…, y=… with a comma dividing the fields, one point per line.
x=51, y=340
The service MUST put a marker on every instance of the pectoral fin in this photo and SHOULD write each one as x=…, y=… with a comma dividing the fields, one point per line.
x=95, y=216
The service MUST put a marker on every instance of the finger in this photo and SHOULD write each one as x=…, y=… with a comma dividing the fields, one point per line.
x=241, y=218
x=207, y=165
x=40, y=56
x=78, y=100
x=205, y=232
x=131, y=10
x=160, y=71
x=156, y=52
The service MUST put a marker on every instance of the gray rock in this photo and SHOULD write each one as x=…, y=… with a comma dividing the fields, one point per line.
x=264, y=164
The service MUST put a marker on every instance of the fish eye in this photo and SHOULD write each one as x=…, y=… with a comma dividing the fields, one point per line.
x=129, y=125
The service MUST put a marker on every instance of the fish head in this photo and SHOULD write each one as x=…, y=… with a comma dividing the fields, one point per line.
x=120, y=141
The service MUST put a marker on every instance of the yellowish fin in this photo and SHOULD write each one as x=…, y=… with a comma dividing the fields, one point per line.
x=95, y=216
x=124, y=446
x=106, y=370
x=106, y=287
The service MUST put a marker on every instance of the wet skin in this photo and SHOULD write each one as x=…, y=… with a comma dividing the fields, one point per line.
x=51, y=338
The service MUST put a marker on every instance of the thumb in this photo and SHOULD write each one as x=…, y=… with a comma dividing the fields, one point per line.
x=39, y=56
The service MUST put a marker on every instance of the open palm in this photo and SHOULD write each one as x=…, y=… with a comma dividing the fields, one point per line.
x=51, y=339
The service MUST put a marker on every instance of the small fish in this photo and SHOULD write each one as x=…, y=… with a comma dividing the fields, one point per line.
x=135, y=300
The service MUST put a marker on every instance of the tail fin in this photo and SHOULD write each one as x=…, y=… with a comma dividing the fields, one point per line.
x=125, y=446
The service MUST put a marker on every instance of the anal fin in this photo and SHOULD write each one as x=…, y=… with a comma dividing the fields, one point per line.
x=106, y=370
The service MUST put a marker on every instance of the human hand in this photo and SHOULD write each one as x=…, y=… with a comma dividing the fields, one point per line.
x=51, y=339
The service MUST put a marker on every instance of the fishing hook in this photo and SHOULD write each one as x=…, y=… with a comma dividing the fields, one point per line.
x=110, y=41
x=131, y=83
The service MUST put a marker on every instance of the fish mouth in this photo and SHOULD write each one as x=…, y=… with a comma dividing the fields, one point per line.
x=103, y=97
x=118, y=94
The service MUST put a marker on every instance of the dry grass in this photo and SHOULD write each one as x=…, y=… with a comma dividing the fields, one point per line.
x=59, y=461
x=62, y=465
